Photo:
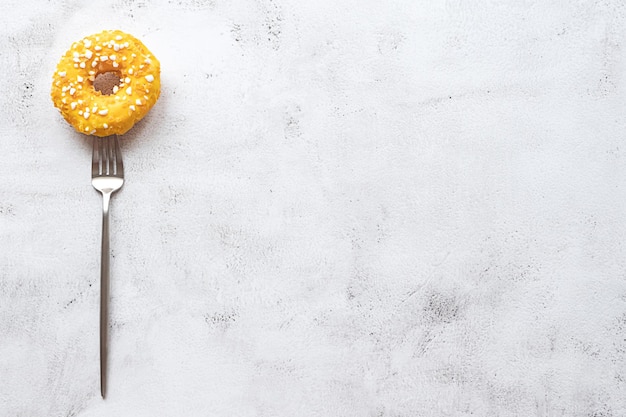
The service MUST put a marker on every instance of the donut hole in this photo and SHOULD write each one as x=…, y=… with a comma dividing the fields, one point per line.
x=105, y=81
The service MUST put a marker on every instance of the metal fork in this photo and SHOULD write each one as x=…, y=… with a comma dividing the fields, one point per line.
x=107, y=176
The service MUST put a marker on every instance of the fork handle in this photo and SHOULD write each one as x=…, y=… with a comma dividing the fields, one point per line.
x=104, y=294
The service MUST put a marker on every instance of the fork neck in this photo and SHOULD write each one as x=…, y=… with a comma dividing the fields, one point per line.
x=106, y=199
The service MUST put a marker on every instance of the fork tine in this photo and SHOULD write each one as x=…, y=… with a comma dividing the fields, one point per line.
x=111, y=148
x=96, y=159
x=106, y=147
x=119, y=164
x=102, y=156
x=107, y=152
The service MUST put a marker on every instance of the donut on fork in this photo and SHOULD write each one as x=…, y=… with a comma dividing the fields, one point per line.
x=106, y=83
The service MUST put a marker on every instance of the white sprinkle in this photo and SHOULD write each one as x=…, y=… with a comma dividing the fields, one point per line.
x=62, y=73
x=97, y=48
x=88, y=54
x=115, y=88
x=147, y=61
x=94, y=109
x=116, y=47
x=104, y=125
x=130, y=71
x=75, y=65
x=80, y=112
x=126, y=44
x=92, y=78
x=87, y=129
x=129, y=91
x=115, y=64
x=138, y=102
x=146, y=97
x=131, y=107
x=79, y=79
x=73, y=105
x=72, y=91
x=92, y=132
x=82, y=65
x=103, y=112
x=64, y=100
x=123, y=58
x=86, y=115
x=76, y=60
x=149, y=78
x=112, y=57
x=133, y=55
x=94, y=63
x=118, y=38
x=76, y=54
x=127, y=80
x=64, y=88
x=104, y=58
x=87, y=43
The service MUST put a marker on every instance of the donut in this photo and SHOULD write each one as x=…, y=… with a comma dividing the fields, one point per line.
x=105, y=83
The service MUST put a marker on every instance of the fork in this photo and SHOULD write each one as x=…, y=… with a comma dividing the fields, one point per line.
x=107, y=176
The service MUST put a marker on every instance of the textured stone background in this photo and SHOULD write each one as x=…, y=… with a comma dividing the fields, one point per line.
x=337, y=208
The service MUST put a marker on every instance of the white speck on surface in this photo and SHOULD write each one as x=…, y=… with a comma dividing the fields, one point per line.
x=386, y=209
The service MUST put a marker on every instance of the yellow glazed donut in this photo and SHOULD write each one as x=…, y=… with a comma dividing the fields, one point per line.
x=106, y=83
